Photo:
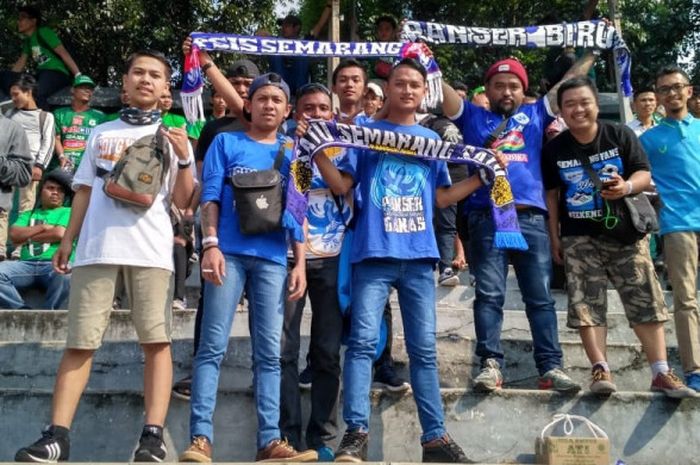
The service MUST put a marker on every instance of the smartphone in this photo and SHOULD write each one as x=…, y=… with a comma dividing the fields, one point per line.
x=608, y=184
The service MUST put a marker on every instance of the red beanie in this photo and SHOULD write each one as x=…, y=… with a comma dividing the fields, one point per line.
x=509, y=65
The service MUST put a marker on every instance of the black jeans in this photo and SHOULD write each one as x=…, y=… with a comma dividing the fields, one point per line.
x=324, y=350
x=181, y=262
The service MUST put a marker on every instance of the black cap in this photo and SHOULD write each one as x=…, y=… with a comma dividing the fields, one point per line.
x=294, y=20
x=243, y=68
x=31, y=11
x=269, y=79
x=62, y=178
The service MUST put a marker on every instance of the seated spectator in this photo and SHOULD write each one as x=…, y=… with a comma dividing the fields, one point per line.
x=40, y=231
x=38, y=125
x=296, y=70
x=580, y=182
x=54, y=65
x=386, y=29
x=170, y=120
x=75, y=123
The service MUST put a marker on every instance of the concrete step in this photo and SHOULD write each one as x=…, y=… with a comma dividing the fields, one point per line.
x=119, y=364
x=45, y=326
x=644, y=428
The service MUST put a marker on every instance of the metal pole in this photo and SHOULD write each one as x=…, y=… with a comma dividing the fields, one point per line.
x=334, y=36
x=623, y=101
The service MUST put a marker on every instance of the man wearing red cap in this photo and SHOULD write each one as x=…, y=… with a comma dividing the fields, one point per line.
x=517, y=130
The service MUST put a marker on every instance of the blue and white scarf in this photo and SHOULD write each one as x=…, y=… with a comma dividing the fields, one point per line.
x=323, y=134
x=583, y=34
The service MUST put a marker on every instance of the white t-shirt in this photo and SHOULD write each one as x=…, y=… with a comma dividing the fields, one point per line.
x=112, y=232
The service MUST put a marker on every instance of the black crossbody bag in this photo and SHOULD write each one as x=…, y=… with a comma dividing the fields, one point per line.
x=259, y=198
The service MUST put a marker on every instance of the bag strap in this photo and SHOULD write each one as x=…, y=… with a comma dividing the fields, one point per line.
x=586, y=163
x=568, y=420
x=279, y=159
x=42, y=122
x=496, y=132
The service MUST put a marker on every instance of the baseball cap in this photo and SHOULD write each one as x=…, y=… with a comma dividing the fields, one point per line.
x=83, y=80
x=269, y=79
x=290, y=19
x=62, y=178
x=377, y=89
x=509, y=65
x=243, y=68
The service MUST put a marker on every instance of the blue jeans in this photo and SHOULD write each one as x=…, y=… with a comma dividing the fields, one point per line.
x=24, y=274
x=415, y=282
x=533, y=268
x=265, y=283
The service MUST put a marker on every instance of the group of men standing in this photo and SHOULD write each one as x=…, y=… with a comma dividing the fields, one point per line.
x=558, y=211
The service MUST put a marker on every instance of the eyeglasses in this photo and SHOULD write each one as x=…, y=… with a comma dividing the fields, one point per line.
x=677, y=88
x=311, y=88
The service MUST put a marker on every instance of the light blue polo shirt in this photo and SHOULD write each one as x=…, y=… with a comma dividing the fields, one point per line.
x=673, y=148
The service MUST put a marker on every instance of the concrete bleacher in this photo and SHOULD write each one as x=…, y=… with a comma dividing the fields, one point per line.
x=644, y=428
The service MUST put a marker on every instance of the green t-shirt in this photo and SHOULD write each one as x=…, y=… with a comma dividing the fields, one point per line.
x=194, y=130
x=42, y=251
x=74, y=130
x=170, y=120
x=40, y=47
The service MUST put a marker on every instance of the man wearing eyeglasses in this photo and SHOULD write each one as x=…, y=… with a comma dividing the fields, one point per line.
x=673, y=147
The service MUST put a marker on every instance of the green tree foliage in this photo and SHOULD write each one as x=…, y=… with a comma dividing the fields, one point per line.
x=101, y=33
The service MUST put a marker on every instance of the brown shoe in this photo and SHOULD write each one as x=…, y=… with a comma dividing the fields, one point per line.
x=601, y=383
x=199, y=451
x=281, y=451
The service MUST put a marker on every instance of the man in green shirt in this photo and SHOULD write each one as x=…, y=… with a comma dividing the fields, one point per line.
x=75, y=123
x=54, y=65
x=170, y=120
x=39, y=232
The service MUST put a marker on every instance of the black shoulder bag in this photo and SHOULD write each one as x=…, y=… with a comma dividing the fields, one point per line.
x=628, y=219
x=259, y=198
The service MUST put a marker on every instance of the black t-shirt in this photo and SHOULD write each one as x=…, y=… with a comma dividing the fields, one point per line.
x=211, y=129
x=615, y=149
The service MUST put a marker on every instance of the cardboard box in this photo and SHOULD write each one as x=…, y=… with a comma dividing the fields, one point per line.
x=572, y=451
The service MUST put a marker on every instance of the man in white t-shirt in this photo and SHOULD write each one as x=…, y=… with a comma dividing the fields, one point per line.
x=116, y=239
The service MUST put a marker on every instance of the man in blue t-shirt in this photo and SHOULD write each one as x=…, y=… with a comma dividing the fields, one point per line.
x=328, y=214
x=394, y=246
x=673, y=147
x=232, y=260
x=517, y=131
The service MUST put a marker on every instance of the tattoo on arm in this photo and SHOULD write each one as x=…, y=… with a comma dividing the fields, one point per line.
x=210, y=218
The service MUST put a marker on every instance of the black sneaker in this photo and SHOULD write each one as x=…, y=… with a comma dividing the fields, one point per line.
x=54, y=446
x=305, y=378
x=444, y=450
x=183, y=388
x=385, y=377
x=353, y=447
x=151, y=447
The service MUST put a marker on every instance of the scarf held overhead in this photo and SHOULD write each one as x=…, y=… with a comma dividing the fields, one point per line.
x=193, y=81
x=323, y=134
x=583, y=34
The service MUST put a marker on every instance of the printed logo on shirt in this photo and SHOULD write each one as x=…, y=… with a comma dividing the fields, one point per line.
x=521, y=118
x=512, y=142
x=582, y=200
x=326, y=223
x=397, y=190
